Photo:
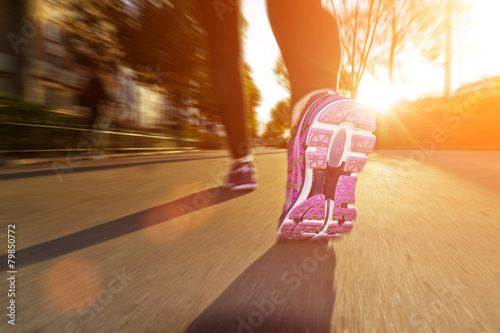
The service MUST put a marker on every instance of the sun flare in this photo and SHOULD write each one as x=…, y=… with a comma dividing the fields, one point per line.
x=474, y=57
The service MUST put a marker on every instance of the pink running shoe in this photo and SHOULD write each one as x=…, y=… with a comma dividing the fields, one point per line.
x=241, y=177
x=328, y=146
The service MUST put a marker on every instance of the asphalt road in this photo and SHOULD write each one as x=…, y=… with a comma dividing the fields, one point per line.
x=152, y=244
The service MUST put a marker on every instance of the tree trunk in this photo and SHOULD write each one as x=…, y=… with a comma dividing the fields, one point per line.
x=448, y=50
x=393, y=44
x=354, y=93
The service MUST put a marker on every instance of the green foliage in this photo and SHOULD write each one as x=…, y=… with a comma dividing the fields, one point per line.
x=7, y=98
x=13, y=109
x=254, y=98
x=60, y=135
x=278, y=129
x=360, y=25
x=90, y=31
x=282, y=74
x=163, y=41
x=470, y=120
x=374, y=33
x=166, y=40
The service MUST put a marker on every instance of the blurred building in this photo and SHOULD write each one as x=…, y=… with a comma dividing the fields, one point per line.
x=151, y=102
x=36, y=65
x=34, y=62
x=57, y=79
x=12, y=49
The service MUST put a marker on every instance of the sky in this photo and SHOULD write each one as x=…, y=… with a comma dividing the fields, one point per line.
x=261, y=52
x=477, y=45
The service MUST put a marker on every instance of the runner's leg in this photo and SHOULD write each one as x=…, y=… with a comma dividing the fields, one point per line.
x=222, y=25
x=309, y=40
x=332, y=133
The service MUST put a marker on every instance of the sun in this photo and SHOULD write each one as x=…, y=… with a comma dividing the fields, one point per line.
x=475, y=55
x=378, y=95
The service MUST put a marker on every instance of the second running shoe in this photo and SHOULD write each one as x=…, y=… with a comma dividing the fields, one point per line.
x=241, y=177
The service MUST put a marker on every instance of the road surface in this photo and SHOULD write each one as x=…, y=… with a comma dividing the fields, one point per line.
x=152, y=244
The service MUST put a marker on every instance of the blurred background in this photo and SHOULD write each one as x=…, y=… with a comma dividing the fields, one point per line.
x=417, y=65
x=150, y=57
x=151, y=243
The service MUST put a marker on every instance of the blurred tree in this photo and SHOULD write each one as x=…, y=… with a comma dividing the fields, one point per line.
x=278, y=128
x=360, y=25
x=444, y=22
x=91, y=32
x=425, y=26
x=421, y=25
x=432, y=25
x=375, y=32
x=166, y=45
x=254, y=98
x=402, y=18
x=282, y=74
x=405, y=23
x=252, y=92
x=163, y=41
x=160, y=36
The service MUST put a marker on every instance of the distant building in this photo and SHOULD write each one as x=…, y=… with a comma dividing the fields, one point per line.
x=34, y=62
x=151, y=103
x=36, y=65
x=15, y=48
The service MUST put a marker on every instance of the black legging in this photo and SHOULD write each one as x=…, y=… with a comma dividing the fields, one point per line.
x=309, y=41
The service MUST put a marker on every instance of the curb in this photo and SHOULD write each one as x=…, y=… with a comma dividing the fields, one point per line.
x=28, y=161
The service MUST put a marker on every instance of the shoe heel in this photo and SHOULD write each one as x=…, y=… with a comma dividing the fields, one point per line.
x=336, y=146
x=357, y=123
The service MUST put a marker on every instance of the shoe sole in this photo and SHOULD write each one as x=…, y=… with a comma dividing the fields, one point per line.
x=337, y=143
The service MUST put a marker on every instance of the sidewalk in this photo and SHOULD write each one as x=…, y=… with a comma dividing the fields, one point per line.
x=102, y=156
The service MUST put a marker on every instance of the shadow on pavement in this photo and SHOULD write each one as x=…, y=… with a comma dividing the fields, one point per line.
x=122, y=226
x=288, y=289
